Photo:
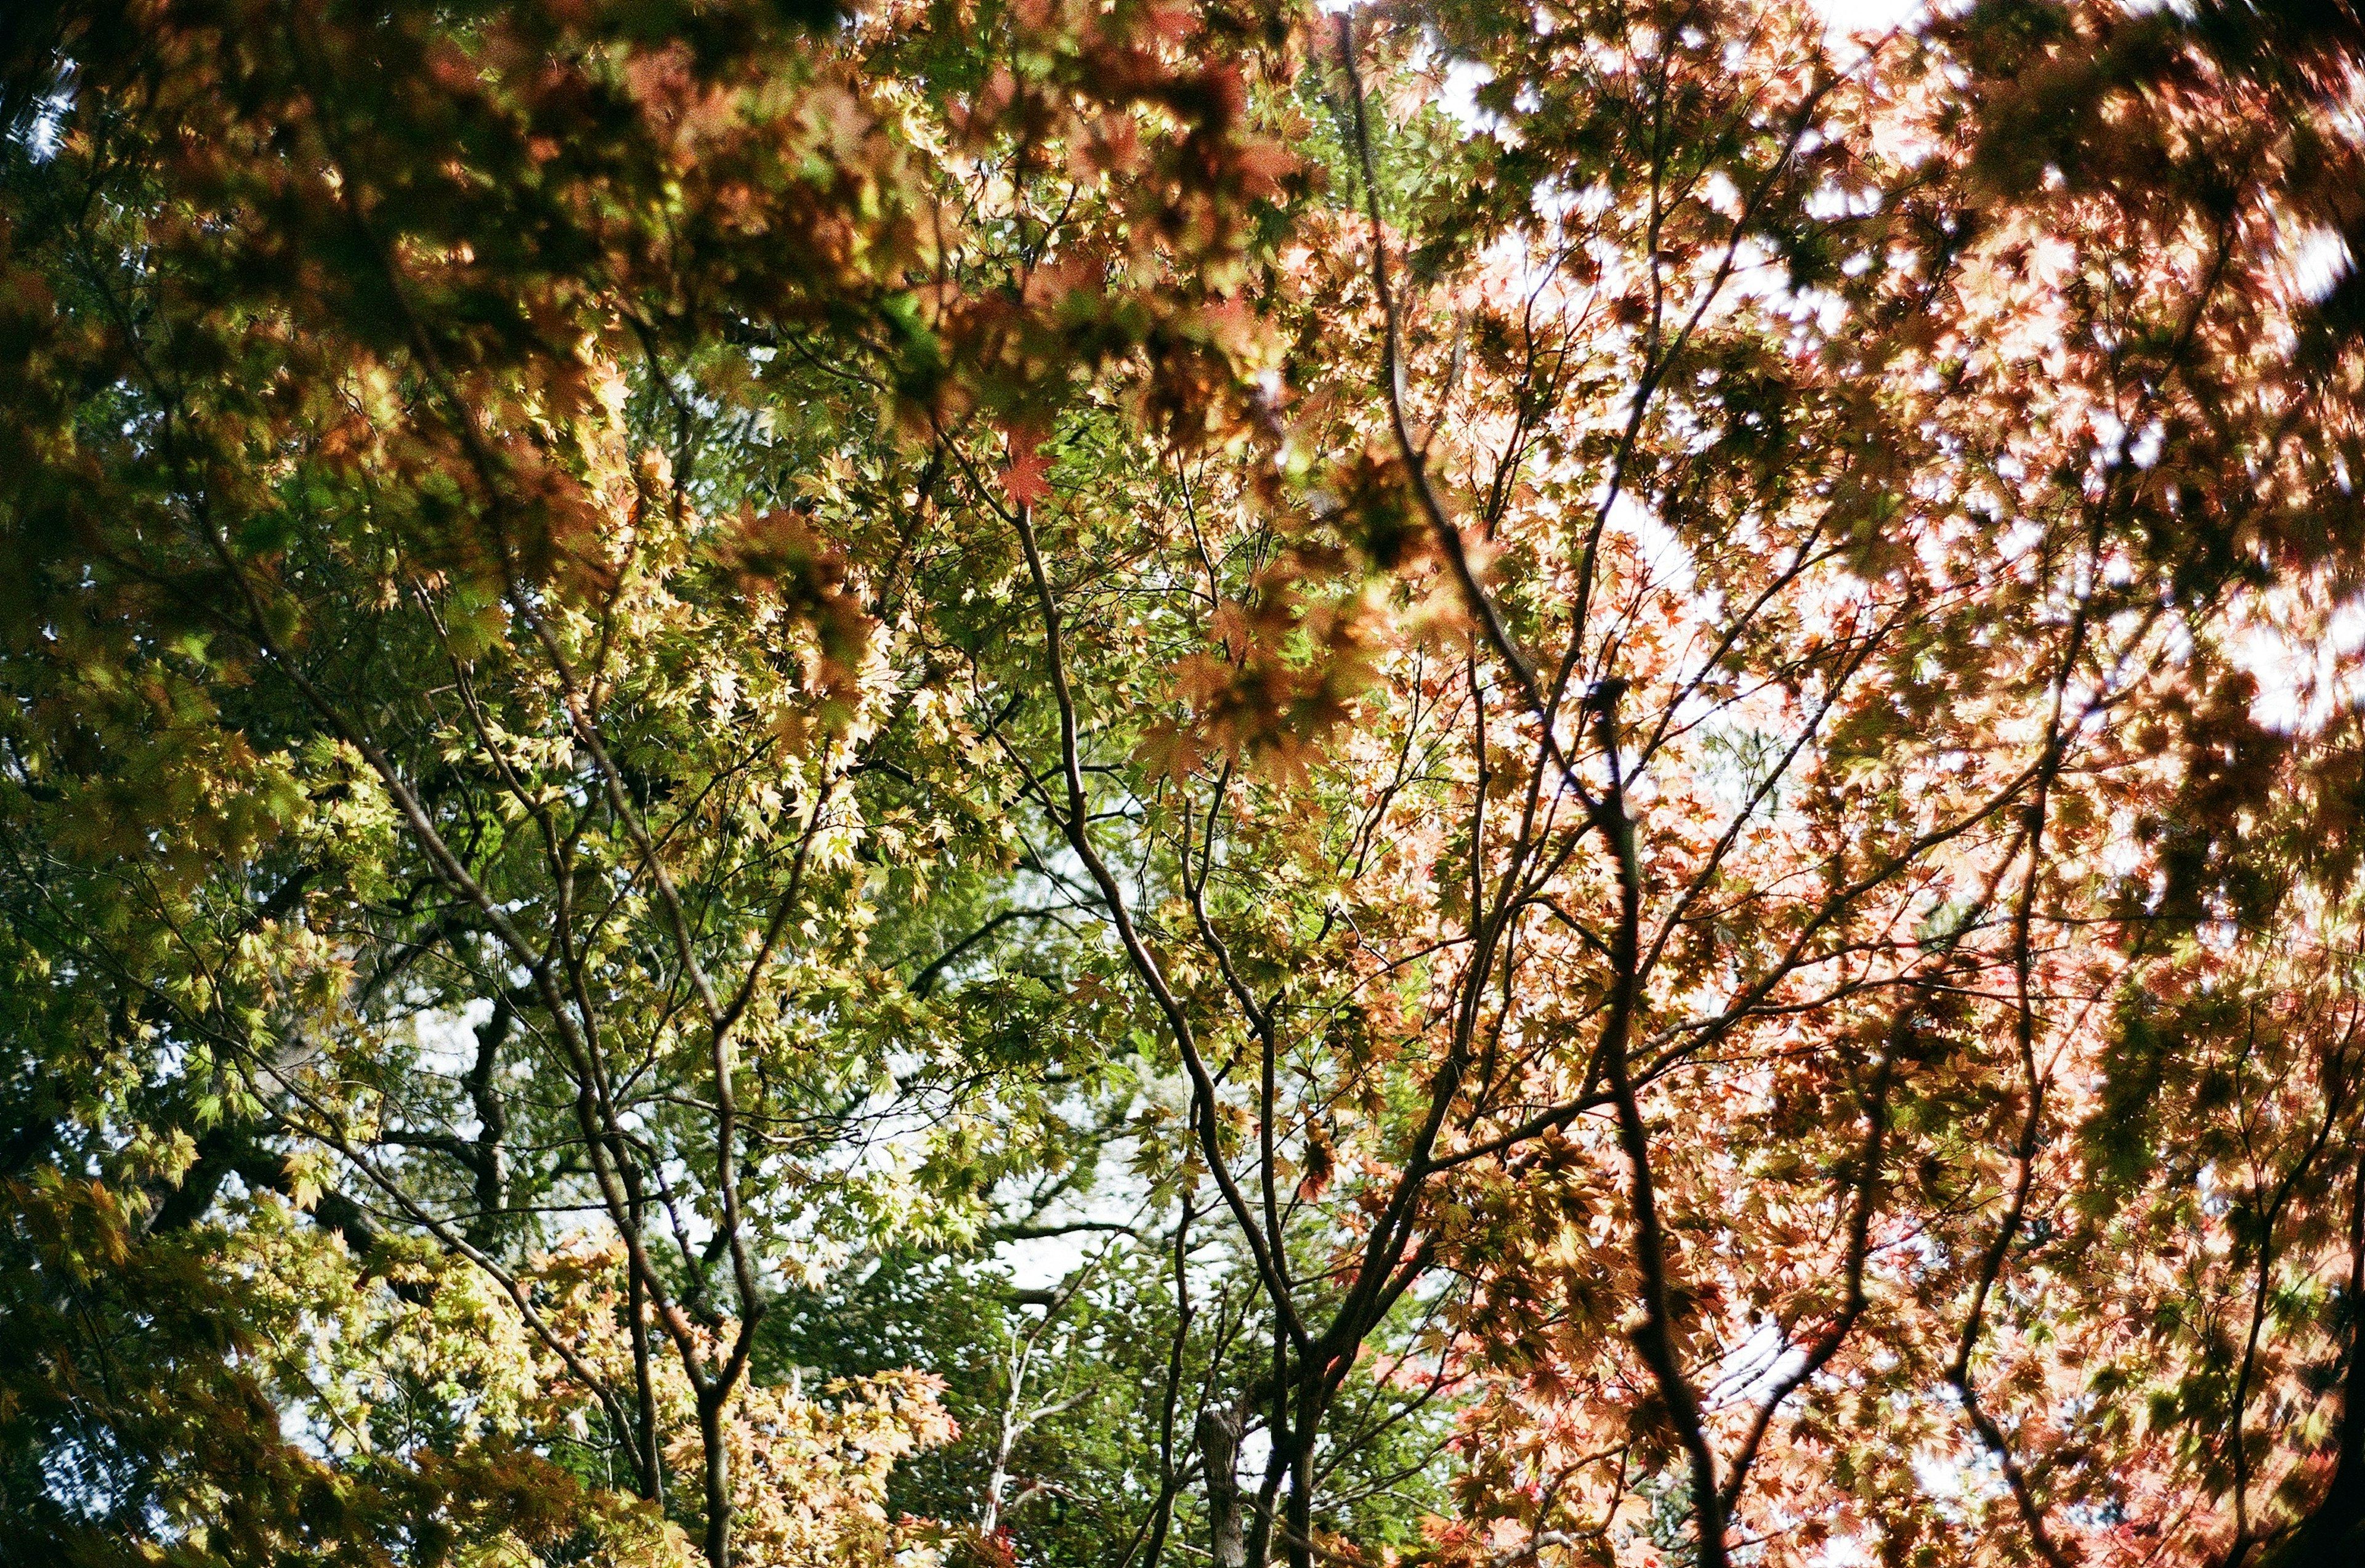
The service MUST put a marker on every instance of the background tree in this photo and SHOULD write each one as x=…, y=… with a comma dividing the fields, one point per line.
x=1560, y=812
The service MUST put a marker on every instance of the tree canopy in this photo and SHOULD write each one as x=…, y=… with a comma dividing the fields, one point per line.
x=1464, y=783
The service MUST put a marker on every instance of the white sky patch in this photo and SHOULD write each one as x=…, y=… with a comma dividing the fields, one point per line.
x=1832, y=199
x=447, y=1038
x=1041, y=1262
x=1754, y=1366
x=2318, y=262
x=1460, y=98
x=2303, y=681
x=1852, y=26
x=2110, y=435
x=1664, y=557
x=47, y=123
x=1719, y=192
x=2019, y=539
x=2146, y=449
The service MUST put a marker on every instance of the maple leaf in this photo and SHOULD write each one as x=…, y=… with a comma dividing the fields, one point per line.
x=1027, y=480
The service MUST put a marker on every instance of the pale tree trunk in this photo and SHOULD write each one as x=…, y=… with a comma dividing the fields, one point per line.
x=1219, y=1449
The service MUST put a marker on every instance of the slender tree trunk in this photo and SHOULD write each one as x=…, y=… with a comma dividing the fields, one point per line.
x=1163, y=1515
x=718, y=1477
x=1219, y=1449
x=1656, y=1338
x=644, y=1440
x=1298, y=1516
x=1276, y=1459
x=997, y=1485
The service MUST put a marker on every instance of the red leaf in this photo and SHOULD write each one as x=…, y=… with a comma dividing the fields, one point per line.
x=1027, y=480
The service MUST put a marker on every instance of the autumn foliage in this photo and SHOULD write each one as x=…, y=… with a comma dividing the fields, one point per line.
x=1449, y=783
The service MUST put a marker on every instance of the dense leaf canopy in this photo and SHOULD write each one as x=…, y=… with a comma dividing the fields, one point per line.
x=994, y=782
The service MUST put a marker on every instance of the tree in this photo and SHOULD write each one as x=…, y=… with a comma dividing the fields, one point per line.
x=1580, y=787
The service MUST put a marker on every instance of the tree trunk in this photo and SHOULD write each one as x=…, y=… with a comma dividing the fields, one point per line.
x=718, y=1478
x=645, y=1455
x=1220, y=1446
x=1298, y=1542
